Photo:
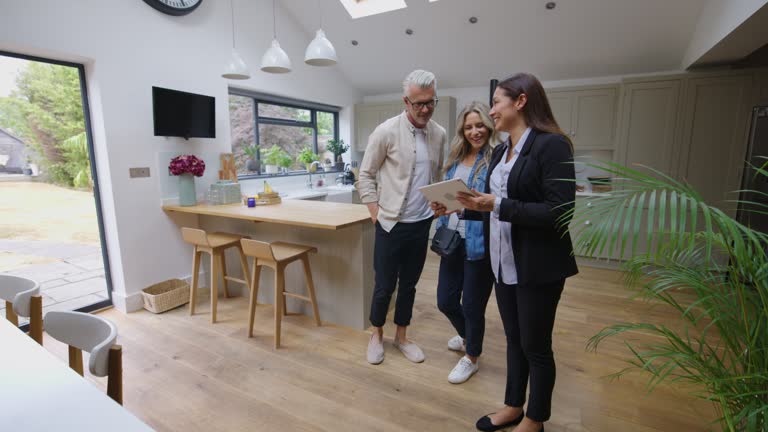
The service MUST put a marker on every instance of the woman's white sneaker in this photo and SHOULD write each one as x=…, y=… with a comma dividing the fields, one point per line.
x=463, y=371
x=457, y=344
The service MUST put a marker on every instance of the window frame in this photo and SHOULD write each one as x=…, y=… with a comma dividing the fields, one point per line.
x=268, y=99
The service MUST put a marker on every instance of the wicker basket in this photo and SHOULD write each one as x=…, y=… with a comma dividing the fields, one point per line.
x=166, y=295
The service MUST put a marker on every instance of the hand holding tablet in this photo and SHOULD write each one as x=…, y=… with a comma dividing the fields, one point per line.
x=445, y=193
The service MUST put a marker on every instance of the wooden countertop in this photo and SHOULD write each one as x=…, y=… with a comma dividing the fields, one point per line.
x=304, y=213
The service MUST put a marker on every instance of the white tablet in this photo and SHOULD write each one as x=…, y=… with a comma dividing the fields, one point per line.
x=445, y=193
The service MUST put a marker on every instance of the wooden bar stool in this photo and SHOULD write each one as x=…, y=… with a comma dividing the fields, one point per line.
x=277, y=256
x=22, y=298
x=213, y=244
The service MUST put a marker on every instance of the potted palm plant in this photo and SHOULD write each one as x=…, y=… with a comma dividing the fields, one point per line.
x=722, y=347
x=338, y=148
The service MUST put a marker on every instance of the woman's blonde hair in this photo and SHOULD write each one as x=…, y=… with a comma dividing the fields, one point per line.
x=460, y=147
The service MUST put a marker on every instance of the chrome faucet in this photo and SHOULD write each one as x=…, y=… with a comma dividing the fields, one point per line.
x=311, y=167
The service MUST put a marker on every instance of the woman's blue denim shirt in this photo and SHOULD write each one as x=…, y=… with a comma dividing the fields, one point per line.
x=474, y=242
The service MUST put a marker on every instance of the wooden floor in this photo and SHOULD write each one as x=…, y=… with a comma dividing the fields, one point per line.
x=182, y=373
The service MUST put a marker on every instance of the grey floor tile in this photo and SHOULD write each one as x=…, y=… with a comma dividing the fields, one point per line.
x=97, y=285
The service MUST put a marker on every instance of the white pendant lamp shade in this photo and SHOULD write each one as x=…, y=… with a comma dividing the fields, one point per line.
x=275, y=60
x=236, y=68
x=320, y=52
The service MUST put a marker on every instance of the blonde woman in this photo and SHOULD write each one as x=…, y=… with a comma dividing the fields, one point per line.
x=467, y=272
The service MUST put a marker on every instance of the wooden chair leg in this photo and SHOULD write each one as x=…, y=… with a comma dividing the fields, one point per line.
x=254, y=294
x=279, y=299
x=311, y=287
x=36, y=319
x=10, y=314
x=256, y=280
x=214, y=285
x=115, y=377
x=244, y=265
x=285, y=304
x=76, y=359
x=196, y=255
x=223, y=267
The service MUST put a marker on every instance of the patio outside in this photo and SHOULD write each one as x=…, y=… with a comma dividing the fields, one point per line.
x=50, y=234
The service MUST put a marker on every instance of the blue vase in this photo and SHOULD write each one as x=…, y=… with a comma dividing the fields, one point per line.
x=187, y=195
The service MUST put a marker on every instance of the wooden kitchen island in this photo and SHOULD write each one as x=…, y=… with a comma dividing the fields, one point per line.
x=342, y=269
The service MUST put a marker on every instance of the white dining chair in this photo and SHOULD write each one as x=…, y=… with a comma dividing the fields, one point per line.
x=22, y=299
x=95, y=335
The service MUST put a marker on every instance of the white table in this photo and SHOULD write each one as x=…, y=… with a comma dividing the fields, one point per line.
x=39, y=392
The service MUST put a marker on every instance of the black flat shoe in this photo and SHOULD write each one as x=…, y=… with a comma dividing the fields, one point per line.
x=485, y=425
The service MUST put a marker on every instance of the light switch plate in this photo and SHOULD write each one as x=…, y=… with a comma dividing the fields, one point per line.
x=138, y=172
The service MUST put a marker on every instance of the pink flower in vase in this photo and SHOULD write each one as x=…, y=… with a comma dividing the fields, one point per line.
x=187, y=164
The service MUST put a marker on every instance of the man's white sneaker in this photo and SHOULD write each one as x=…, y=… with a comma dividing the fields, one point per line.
x=457, y=343
x=375, y=350
x=463, y=371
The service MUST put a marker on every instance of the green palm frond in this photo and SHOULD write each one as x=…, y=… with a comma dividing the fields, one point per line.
x=681, y=252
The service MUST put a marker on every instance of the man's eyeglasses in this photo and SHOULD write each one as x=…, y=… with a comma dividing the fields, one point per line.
x=420, y=105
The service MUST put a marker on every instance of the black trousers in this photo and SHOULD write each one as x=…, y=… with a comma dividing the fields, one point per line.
x=472, y=280
x=528, y=315
x=398, y=256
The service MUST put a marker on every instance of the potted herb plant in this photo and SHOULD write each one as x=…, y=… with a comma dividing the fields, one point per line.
x=252, y=163
x=272, y=157
x=338, y=148
x=285, y=160
x=307, y=157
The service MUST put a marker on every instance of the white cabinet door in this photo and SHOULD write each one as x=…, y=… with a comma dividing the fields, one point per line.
x=594, y=119
x=562, y=109
x=366, y=120
x=587, y=116
x=648, y=124
x=714, y=138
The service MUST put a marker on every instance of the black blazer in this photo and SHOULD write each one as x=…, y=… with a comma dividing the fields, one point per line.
x=537, y=197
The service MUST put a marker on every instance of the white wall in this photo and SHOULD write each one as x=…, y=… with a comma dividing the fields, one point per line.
x=127, y=48
x=717, y=20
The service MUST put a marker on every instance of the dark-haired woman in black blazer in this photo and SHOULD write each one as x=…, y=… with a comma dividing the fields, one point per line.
x=530, y=250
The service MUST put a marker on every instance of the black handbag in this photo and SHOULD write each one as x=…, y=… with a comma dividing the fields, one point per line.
x=447, y=242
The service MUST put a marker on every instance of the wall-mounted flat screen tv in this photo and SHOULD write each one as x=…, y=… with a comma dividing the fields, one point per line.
x=182, y=114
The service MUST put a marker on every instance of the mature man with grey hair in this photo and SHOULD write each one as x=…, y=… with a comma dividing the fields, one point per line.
x=403, y=154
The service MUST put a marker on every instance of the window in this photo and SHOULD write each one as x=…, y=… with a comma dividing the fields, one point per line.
x=288, y=124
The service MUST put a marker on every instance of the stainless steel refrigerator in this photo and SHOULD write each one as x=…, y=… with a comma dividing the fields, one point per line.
x=757, y=156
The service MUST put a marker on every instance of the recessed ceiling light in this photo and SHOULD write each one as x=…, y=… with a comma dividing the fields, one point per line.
x=354, y=42
x=408, y=32
x=551, y=5
x=473, y=20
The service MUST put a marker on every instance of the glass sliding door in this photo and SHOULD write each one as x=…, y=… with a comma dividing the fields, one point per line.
x=51, y=227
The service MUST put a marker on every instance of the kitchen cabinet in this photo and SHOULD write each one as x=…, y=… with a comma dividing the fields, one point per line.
x=587, y=115
x=368, y=116
x=714, y=136
x=648, y=125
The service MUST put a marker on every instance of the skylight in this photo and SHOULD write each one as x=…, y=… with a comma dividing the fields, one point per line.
x=364, y=8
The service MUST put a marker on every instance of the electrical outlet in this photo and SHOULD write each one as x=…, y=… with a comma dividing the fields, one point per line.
x=138, y=172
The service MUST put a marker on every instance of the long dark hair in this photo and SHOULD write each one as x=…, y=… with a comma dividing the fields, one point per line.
x=537, y=112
